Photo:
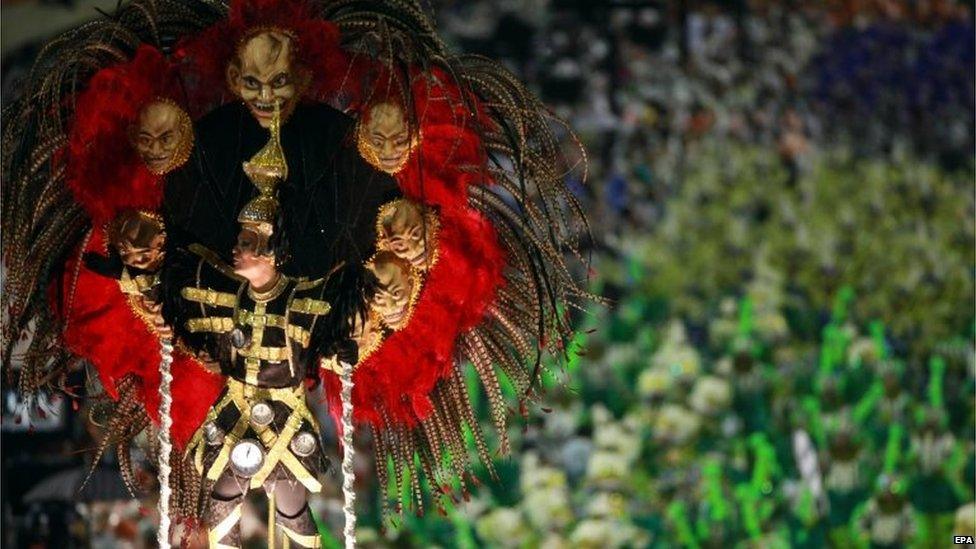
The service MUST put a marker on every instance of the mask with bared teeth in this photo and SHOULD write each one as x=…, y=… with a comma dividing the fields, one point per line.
x=265, y=72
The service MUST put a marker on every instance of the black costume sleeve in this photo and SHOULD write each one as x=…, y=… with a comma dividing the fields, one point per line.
x=348, y=291
x=368, y=189
x=188, y=269
x=178, y=272
x=110, y=266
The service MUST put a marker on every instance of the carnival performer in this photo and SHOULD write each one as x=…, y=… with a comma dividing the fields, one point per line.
x=268, y=330
x=436, y=179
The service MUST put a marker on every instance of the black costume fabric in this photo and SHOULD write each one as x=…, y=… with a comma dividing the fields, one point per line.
x=328, y=203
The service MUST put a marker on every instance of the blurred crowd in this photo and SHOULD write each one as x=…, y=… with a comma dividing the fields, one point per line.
x=783, y=225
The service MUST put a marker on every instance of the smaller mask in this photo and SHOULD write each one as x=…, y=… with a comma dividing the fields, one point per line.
x=405, y=230
x=139, y=238
x=368, y=336
x=397, y=289
x=163, y=136
x=384, y=138
x=265, y=72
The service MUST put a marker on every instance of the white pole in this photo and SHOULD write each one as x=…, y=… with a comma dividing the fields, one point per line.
x=348, y=452
x=165, y=446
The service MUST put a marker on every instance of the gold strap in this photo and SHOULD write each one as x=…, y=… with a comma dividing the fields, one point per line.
x=218, y=532
x=136, y=285
x=331, y=363
x=303, y=540
x=309, y=306
x=242, y=393
x=272, y=354
x=275, y=452
x=215, y=324
x=272, y=513
x=289, y=460
x=209, y=297
x=257, y=334
x=256, y=320
x=299, y=334
x=308, y=284
x=197, y=443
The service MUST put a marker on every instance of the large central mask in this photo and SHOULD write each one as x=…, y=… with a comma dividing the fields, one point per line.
x=264, y=72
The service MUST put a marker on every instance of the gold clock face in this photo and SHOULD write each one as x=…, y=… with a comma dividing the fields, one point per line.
x=247, y=457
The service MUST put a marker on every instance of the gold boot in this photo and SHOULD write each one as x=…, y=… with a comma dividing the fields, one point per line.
x=299, y=529
x=224, y=521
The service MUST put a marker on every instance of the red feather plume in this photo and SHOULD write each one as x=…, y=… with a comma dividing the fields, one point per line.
x=104, y=172
x=102, y=327
x=395, y=382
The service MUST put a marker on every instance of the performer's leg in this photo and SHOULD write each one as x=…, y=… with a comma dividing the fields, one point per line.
x=224, y=515
x=293, y=514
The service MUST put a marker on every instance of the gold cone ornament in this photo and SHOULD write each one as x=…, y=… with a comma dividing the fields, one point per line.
x=266, y=170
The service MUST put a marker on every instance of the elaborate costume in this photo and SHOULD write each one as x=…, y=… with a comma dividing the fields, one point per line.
x=411, y=203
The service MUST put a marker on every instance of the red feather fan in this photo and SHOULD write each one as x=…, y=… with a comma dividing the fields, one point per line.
x=400, y=375
x=102, y=327
x=107, y=176
x=395, y=382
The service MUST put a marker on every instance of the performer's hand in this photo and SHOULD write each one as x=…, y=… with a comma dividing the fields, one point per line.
x=347, y=351
x=208, y=363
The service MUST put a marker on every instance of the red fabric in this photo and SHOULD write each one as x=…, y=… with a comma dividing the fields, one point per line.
x=399, y=377
x=106, y=176
x=102, y=328
x=104, y=172
x=204, y=57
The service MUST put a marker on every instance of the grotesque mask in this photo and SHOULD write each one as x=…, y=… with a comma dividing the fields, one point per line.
x=139, y=238
x=265, y=72
x=397, y=289
x=385, y=139
x=252, y=258
x=163, y=136
x=405, y=230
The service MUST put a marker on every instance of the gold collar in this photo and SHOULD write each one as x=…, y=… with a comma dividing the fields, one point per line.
x=272, y=293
